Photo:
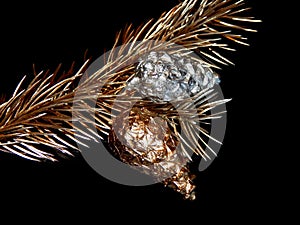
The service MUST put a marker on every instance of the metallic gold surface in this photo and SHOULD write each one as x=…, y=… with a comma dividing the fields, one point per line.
x=36, y=122
x=143, y=140
x=182, y=182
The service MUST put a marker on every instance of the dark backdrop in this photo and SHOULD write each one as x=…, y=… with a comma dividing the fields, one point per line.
x=238, y=183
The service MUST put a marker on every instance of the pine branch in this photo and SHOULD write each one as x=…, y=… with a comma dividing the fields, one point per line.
x=203, y=26
x=38, y=116
x=41, y=114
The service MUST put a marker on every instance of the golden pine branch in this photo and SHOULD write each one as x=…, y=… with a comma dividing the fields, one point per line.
x=36, y=121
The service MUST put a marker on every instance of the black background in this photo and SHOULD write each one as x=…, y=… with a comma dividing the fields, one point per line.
x=240, y=184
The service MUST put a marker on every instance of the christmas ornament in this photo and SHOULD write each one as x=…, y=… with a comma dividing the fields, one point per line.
x=167, y=87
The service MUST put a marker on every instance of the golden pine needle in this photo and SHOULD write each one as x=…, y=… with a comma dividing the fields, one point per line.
x=40, y=115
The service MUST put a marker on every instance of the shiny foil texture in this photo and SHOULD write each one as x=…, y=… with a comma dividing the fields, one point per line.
x=161, y=76
x=142, y=140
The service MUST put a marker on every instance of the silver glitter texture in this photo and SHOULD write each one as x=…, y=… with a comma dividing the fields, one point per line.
x=169, y=77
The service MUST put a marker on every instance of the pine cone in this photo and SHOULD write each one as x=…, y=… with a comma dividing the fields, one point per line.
x=169, y=77
x=141, y=139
